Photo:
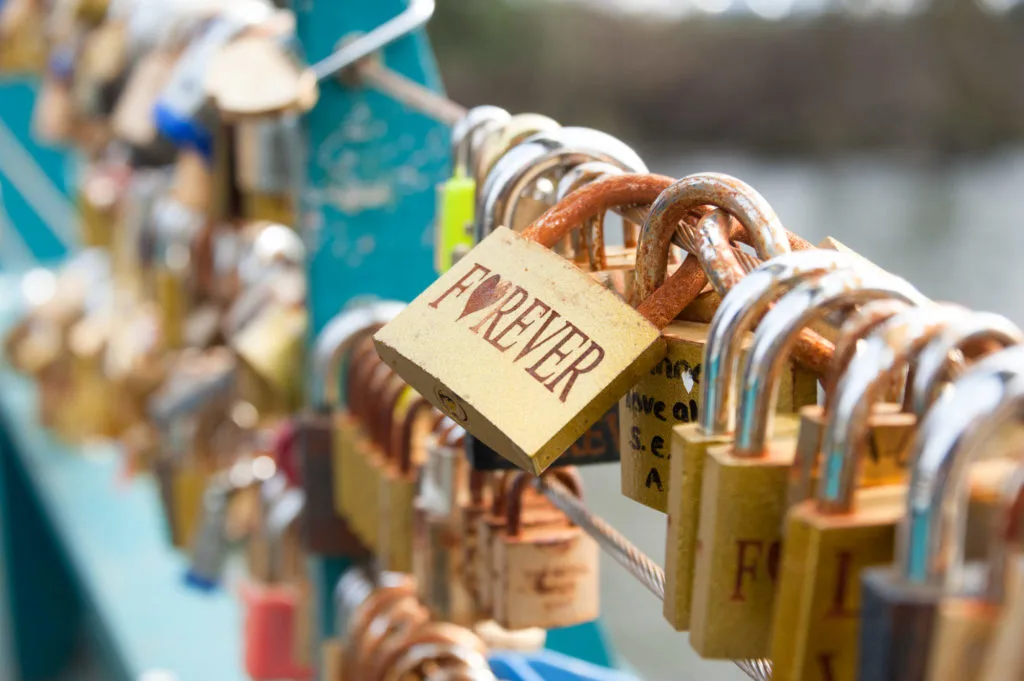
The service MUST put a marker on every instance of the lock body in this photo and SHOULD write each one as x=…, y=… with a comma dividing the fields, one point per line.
x=272, y=620
x=816, y=623
x=544, y=329
x=897, y=619
x=325, y=531
x=739, y=539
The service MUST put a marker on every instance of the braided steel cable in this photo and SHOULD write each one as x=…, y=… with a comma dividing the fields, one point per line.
x=638, y=564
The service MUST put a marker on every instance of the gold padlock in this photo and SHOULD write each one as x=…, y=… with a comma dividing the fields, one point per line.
x=348, y=431
x=23, y=47
x=667, y=397
x=413, y=420
x=271, y=350
x=563, y=370
x=744, y=487
x=385, y=394
x=831, y=538
x=749, y=298
x=547, y=575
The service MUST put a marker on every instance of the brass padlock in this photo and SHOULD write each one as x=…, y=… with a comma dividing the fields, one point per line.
x=745, y=485
x=335, y=350
x=476, y=508
x=385, y=392
x=891, y=428
x=547, y=574
x=830, y=539
x=255, y=75
x=266, y=167
x=739, y=310
x=23, y=45
x=349, y=431
x=900, y=602
x=413, y=420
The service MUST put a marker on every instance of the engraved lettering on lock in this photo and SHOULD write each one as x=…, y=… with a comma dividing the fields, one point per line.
x=841, y=594
x=565, y=353
x=749, y=553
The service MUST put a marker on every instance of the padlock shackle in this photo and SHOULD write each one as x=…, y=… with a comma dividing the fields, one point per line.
x=685, y=200
x=892, y=347
x=357, y=383
x=334, y=342
x=954, y=433
x=383, y=422
x=777, y=333
x=861, y=323
x=567, y=475
x=592, y=199
x=440, y=638
x=591, y=230
x=402, y=436
x=537, y=155
x=497, y=143
x=464, y=134
x=977, y=333
x=736, y=315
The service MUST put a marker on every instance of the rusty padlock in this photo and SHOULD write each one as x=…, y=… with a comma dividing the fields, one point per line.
x=547, y=575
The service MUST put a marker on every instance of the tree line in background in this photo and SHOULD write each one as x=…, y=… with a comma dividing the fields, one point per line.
x=949, y=80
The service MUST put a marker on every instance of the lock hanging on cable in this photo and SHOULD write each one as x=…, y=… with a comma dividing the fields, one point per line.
x=831, y=538
x=748, y=299
x=744, y=486
x=547, y=575
x=669, y=395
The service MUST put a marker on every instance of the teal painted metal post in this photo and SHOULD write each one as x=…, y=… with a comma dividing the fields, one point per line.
x=37, y=217
x=372, y=167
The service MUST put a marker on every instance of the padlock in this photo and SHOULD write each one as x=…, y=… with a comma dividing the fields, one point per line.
x=437, y=556
x=327, y=531
x=449, y=660
x=441, y=639
x=456, y=196
x=86, y=413
x=667, y=397
x=210, y=544
x=413, y=420
x=536, y=510
x=574, y=393
x=521, y=184
x=547, y=575
x=176, y=227
x=53, y=113
x=899, y=602
x=358, y=602
x=739, y=310
x=255, y=74
x=386, y=390
x=391, y=621
x=601, y=442
x=350, y=431
x=476, y=508
x=831, y=538
x=890, y=427
x=966, y=619
x=98, y=202
x=266, y=167
x=1004, y=657
x=23, y=45
x=275, y=600
x=497, y=142
x=744, y=489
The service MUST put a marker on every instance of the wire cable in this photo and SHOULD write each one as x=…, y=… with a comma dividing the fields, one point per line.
x=628, y=556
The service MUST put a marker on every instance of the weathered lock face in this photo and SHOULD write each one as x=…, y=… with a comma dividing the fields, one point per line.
x=514, y=314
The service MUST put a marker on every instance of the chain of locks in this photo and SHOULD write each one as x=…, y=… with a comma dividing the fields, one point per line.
x=834, y=453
